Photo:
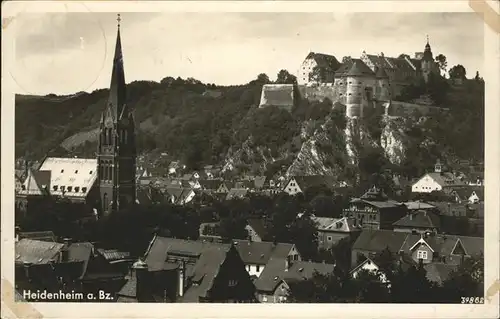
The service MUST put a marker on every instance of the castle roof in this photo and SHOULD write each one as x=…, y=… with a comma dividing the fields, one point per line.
x=277, y=95
x=359, y=68
x=324, y=60
x=381, y=74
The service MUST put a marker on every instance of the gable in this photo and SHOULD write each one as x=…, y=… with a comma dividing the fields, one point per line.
x=418, y=245
x=426, y=180
x=459, y=248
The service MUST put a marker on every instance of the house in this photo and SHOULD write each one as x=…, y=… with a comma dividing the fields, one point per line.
x=430, y=248
x=256, y=255
x=211, y=171
x=370, y=266
x=451, y=209
x=436, y=181
x=142, y=173
x=176, y=270
x=332, y=230
x=175, y=168
x=209, y=185
x=298, y=184
x=224, y=187
x=476, y=179
x=477, y=196
x=374, y=210
x=179, y=196
x=419, y=205
x=66, y=266
x=236, y=193
x=328, y=64
x=273, y=285
x=420, y=221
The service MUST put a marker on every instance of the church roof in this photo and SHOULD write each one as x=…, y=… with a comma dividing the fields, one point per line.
x=75, y=176
x=359, y=68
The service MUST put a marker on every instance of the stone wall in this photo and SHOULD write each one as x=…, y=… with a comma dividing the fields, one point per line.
x=320, y=92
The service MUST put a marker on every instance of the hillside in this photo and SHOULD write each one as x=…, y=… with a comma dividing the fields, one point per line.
x=206, y=124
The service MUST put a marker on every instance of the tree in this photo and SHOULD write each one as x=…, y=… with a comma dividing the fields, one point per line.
x=284, y=77
x=457, y=72
x=318, y=74
x=263, y=79
x=442, y=63
x=346, y=59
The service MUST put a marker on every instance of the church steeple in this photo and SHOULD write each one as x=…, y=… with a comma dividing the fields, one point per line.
x=428, y=51
x=117, y=149
x=117, y=88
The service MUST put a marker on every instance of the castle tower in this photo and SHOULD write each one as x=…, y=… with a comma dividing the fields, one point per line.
x=428, y=63
x=357, y=79
x=383, y=88
x=116, y=154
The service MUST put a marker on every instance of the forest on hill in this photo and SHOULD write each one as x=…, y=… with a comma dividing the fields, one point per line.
x=200, y=123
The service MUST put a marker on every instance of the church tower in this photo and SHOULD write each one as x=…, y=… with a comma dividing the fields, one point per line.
x=116, y=154
x=428, y=63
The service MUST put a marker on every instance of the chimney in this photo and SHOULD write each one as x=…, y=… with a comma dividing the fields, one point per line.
x=140, y=268
x=27, y=266
x=180, y=283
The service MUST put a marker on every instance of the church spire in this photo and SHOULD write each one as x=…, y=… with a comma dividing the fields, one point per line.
x=117, y=88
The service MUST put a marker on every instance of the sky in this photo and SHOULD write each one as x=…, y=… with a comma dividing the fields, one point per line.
x=64, y=53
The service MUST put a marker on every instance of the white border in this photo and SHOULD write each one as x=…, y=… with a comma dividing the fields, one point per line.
x=491, y=75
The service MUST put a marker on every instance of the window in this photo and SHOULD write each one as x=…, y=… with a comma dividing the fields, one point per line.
x=84, y=189
x=421, y=254
x=70, y=188
x=329, y=238
x=62, y=171
x=77, y=189
x=55, y=187
x=76, y=172
x=232, y=283
x=257, y=268
x=264, y=298
x=90, y=173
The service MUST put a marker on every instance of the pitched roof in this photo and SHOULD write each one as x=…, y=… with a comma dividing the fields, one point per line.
x=359, y=69
x=419, y=219
x=444, y=244
x=345, y=67
x=445, y=179
x=275, y=273
x=39, y=235
x=207, y=256
x=313, y=180
x=113, y=254
x=260, y=253
x=277, y=95
x=417, y=205
x=36, y=251
x=334, y=224
x=324, y=60
x=76, y=175
x=236, y=193
x=209, y=184
x=378, y=240
x=380, y=73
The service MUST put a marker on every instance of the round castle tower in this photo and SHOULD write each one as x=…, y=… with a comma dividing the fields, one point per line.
x=356, y=79
x=383, y=88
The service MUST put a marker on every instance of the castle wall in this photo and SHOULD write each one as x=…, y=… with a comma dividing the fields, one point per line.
x=321, y=91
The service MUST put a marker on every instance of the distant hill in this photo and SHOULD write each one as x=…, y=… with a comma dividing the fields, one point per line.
x=207, y=124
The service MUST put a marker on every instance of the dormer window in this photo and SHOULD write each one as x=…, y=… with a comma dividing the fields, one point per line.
x=62, y=188
x=55, y=188
x=23, y=187
x=76, y=172
x=84, y=189
x=77, y=189
x=90, y=173
x=70, y=188
x=62, y=171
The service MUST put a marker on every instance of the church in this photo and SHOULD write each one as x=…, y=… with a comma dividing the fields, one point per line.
x=105, y=184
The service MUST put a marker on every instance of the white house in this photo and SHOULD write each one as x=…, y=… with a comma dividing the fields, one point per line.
x=476, y=196
x=436, y=181
x=328, y=62
x=370, y=266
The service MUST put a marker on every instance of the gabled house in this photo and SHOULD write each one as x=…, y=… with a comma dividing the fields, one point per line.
x=328, y=64
x=176, y=270
x=475, y=179
x=477, y=196
x=332, y=230
x=78, y=267
x=179, y=196
x=236, y=193
x=298, y=184
x=370, y=266
x=256, y=255
x=436, y=181
x=273, y=285
x=374, y=210
x=175, y=168
x=224, y=187
x=429, y=248
x=209, y=185
x=418, y=222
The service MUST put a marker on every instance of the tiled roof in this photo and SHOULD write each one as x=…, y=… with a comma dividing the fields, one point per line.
x=444, y=244
x=36, y=251
x=412, y=205
x=259, y=253
x=338, y=224
x=277, y=95
x=314, y=180
x=236, y=193
x=419, y=219
x=210, y=184
x=445, y=179
x=359, y=68
x=75, y=175
x=324, y=60
x=39, y=235
x=378, y=240
x=113, y=254
x=275, y=272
